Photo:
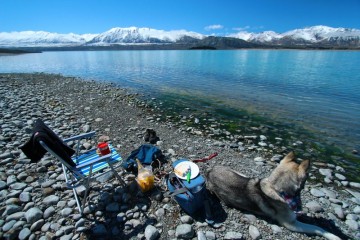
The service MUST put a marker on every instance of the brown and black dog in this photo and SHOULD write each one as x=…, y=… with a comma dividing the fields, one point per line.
x=264, y=196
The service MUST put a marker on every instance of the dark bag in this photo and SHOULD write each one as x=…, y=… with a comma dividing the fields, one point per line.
x=146, y=154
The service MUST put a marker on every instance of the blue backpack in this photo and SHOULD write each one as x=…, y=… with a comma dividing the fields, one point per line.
x=189, y=195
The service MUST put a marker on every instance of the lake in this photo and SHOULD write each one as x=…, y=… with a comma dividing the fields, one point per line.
x=317, y=90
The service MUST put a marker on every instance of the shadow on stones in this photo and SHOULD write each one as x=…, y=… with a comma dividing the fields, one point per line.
x=108, y=226
x=326, y=224
x=216, y=213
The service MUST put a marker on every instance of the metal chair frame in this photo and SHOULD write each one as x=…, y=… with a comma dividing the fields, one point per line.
x=74, y=177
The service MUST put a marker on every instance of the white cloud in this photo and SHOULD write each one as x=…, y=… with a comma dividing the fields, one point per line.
x=246, y=28
x=241, y=28
x=214, y=27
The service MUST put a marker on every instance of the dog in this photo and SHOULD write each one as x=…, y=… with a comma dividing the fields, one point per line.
x=266, y=196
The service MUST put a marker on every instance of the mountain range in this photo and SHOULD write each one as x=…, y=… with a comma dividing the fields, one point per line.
x=148, y=38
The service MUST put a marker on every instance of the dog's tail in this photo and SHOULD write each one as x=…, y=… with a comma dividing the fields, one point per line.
x=297, y=226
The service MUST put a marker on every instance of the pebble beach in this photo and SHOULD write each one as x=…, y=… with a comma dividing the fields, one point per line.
x=35, y=203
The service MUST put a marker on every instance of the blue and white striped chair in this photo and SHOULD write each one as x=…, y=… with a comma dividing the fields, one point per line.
x=88, y=166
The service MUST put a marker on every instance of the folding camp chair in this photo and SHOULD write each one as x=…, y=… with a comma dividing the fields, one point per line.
x=78, y=169
x=89, y=166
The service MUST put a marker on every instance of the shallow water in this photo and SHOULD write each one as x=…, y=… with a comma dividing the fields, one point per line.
x=318, y=90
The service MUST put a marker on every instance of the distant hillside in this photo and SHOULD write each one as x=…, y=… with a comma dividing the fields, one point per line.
x=14, y=51
x=316, y=37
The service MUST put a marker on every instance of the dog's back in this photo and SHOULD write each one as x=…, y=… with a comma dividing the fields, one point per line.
x=233, y=188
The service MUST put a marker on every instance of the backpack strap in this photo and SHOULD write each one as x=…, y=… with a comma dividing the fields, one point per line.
x=178, y=191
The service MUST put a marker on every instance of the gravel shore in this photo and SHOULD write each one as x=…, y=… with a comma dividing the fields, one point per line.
x=35, y=203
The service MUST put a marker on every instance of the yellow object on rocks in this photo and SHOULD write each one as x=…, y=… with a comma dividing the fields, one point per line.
x=145, y=177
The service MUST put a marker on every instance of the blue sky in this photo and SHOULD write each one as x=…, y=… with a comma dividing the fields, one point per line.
x=208, y=17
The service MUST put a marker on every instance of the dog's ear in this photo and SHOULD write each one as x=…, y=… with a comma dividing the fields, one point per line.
x=288, y=158
x=303, y=167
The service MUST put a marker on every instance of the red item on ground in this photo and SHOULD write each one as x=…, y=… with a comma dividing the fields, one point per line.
x=206, y=158
x=104, y=148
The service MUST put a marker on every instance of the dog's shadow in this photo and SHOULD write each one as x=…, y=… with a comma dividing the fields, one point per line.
x=324, y=223
x=215, y=212
x=219, y=216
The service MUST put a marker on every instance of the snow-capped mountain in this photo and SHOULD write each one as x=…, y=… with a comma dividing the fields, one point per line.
x=41, y=38
x=316, y=36
x=307, y=36
x=141, y=35
x=129, y=35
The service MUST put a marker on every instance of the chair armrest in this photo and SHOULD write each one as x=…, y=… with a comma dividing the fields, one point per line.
x=81, y=136
x=100, y=159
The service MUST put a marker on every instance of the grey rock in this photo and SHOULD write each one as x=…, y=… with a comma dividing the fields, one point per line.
x=276, y=229
x=317, y=193
x=353, y=225
x=186, y=219
x=254, y=232
x=66, y=212
x=37, y=225
x=10, y=209
x=339, y=212
x=160, y=212
x=25, y=197
x=326, y=172
x=259, y=159
x=354, y=185
x=47, y=183
x=19, y=225
x=15, y=216
x=352, y=217
x=24, y=234
x=340, y=176
x=33, y=214
x=233, y=236
x=6, y=155
x=51, y=200
x=67, y=237
x=314, y=206
x=356, y=210
x=80, y=223
x=45, y=227
x=210, y=235
x=151, y=233
x=201, y=235
x=49, y=212
x=184, y=231
x=251, y=218
x=7, y=226
x=3, y=185
x=121, y=217
x=328, y=193
x=11, y=179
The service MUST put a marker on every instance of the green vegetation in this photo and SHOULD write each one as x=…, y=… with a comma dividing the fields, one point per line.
x=184, y=108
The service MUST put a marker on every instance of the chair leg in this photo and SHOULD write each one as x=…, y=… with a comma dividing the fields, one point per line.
x=87, y=186
x=74, y=190
x=122, y=182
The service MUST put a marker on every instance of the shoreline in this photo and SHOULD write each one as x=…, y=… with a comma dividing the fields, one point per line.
x=71, y=103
